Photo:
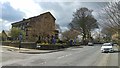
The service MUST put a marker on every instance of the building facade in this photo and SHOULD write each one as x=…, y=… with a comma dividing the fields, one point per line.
x=42, y=25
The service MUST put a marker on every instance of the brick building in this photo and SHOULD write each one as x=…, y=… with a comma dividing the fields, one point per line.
x=42, y=25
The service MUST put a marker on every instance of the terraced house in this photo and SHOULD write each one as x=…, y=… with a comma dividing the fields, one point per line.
x=42, y=25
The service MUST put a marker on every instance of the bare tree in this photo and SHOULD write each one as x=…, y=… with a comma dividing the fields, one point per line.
x=57, y=26
x=110, y=18
x=71, y=34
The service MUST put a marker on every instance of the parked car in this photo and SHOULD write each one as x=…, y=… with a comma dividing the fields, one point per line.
x=107, y=47
x=114, y=44
x=90, y=44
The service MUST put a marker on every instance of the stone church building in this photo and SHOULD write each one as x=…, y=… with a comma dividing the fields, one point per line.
x=42, y=25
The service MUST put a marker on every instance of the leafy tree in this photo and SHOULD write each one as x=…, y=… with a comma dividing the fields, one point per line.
x=84, y=22
x=15, y=33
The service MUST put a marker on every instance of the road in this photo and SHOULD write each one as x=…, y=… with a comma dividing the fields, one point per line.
x=73, y=56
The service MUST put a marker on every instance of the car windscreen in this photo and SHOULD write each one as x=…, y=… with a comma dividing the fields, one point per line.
x=107, y=45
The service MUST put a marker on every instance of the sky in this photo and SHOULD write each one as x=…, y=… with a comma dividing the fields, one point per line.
x=15, y=10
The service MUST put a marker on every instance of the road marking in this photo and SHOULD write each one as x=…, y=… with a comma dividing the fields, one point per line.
x=60, y=57
x=1, y=51
x=43, y=63
x=64, y=56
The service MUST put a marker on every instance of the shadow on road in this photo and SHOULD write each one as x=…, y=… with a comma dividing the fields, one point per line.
x=116, y=51
x=39, y=52
x=47, y=51
x=77, y=47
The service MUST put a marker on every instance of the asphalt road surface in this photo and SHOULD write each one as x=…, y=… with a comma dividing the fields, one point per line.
x=73, y=56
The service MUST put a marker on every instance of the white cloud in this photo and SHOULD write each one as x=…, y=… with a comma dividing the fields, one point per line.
x=29, y=7
x=61, y=10
x=76, y=0
x=10, y=14
x=5, y=25
x=64, y=28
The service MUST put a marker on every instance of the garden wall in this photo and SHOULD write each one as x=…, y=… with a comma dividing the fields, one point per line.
x=33, y=45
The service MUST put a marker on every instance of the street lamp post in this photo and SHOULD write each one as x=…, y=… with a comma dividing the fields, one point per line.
x=20, y=39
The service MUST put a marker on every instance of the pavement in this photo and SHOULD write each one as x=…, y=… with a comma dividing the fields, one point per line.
x=27, y=51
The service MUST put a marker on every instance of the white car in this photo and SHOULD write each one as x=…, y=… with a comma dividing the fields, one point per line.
x=107, y=47
x=90, y=44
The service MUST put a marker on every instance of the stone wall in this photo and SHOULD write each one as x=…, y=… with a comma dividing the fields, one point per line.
x=30, y=45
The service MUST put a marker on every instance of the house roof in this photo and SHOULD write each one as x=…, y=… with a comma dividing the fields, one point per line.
x=47, y=13
x=34, y=17
x=3, y=32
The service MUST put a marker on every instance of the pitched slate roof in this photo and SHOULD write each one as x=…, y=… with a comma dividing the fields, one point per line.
x=34, y=17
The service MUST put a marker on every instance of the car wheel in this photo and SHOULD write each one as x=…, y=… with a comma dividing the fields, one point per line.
x=102, y=52
x=112, y=51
